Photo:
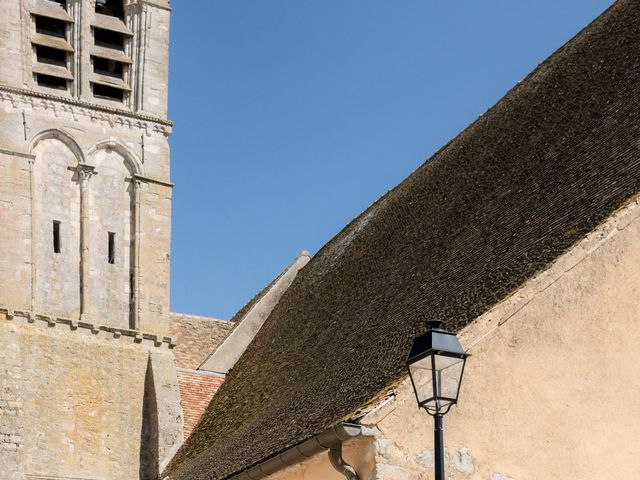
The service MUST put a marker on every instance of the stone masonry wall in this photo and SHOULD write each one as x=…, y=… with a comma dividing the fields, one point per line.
x=45, y=134
x=56, y=197
x=155, y=247
x=88, y=387
x=15, y=230
x=148, y=20
x=71, y=401
x=37, y=185
x=11, y=420
x=11, y=45
x=156, y=67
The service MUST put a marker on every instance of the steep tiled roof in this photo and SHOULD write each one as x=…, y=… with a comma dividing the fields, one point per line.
x=554, y=158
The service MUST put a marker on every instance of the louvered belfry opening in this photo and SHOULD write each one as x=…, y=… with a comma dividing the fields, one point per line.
x=51, y=27
x=110, y=55
x=55, y=31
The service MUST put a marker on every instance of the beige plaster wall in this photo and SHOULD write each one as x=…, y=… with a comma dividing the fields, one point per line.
x=551, y=391
x=359, y=453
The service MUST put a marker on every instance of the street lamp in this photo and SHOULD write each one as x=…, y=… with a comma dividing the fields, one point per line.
x=436, y=364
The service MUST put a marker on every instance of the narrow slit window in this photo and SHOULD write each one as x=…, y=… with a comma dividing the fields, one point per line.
x=56, y=237
x=112, y=248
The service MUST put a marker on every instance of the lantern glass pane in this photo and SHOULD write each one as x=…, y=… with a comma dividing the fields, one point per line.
x=448, y=375
x=421, y=376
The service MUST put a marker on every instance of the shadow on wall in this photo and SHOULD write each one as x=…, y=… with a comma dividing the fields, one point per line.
x=149, y=447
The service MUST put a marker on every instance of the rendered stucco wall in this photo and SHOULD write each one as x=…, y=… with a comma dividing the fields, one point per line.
x=550, y=390
x=359, y=453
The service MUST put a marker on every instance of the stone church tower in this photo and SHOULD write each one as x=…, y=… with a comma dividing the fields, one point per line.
x=88, y=387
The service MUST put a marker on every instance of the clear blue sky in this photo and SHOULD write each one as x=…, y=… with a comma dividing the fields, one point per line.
x=293, y=116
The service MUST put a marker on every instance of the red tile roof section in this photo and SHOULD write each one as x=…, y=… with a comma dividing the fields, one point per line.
x=196, y=391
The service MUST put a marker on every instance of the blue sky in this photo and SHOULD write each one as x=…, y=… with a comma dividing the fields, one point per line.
x=293, y=116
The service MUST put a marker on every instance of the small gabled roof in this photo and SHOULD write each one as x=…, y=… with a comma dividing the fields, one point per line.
x=531, y=177
x=196, y=337
x=251, y=317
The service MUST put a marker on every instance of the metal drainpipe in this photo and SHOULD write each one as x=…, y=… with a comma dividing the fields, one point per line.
x=335, y=457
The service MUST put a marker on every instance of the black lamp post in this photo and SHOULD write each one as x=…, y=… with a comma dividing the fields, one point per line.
x=436, y=364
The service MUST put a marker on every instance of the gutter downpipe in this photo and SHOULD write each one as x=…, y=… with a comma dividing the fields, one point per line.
x=330, y=440
x=335, y=457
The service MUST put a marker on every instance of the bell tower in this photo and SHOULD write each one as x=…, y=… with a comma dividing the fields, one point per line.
x=89, y=386
x=85, y=192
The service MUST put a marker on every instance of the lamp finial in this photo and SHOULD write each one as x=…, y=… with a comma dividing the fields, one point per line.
x=434, y=324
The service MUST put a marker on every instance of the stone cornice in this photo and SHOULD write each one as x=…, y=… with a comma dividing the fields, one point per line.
x=99, y=331
x=146, y=179
x=12, y=153
x=75, y=108
x=156, y=4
